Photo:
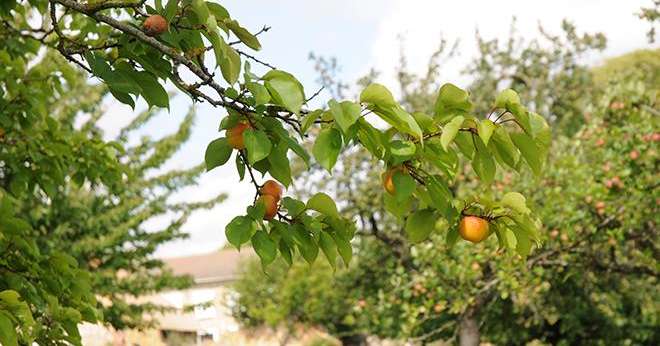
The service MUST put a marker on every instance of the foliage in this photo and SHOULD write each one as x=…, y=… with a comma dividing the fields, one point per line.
x=563, y=293
x=112, y=41
x=74, y=205
x=643, y=63
x=104, y=229
x=44, y=291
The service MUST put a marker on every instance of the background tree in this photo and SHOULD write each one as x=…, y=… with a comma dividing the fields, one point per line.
x=43, y=292
x=566, y=291
x=104, y=229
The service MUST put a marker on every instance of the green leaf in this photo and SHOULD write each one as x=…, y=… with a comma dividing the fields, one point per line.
x=343, y=247
x=424, y=120
x=522, y=116
x=396, y=207
x=404, y=185
x=309, y=119
x=451, y=101
x=217, y=153
x=452, y=236
x=243, y=34
x=240, y=230
x=293, y=206
x=541, y=132
x=170, y=9
x=523, y=243
x=285, y=90
x=327, y=147
x=306, y=244
x=7, y=332
x=217, y=10
x=441, y=196
x=201, y=10
x=323, y=204
x=485, y=129
x=260, y=93
x=240, y=167
x=528, y=150
x=400, y=119
x=286, y=252
x=402, y=149
x=279, y=164
x=450, y=130
x=483, y=163
x=507, y=98
x=371, y=138
x=420, y=225
x=345, y=114
x=226, y=57
x=257, y=144
x=264, y=247
x=377, y=94
x=515, y=201
x=329, y=248
x=504, y=147
x=257, y=211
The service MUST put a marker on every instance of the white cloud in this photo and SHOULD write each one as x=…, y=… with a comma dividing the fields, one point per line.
x=422, y=23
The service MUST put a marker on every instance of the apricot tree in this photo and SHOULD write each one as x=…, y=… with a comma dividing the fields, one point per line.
x=124, y=45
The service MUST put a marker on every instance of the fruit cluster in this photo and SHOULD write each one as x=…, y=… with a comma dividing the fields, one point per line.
x=270, y=195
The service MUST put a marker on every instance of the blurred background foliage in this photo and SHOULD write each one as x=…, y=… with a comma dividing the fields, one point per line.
x=594, y=280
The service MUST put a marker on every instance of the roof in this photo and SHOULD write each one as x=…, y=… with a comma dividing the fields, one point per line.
x=216, y=267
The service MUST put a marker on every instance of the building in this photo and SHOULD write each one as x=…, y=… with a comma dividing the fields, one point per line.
x=210, y=324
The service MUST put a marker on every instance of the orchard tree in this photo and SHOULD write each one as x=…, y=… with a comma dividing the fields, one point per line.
x=429, y=292
x=134, y=49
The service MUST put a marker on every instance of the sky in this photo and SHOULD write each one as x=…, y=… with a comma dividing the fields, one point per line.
x=362, y=35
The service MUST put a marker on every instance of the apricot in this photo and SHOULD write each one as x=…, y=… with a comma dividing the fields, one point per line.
x=155, y=25
x=271, y=206
x=235, y=135
x=272, y=188
x=473, y=229
x=388, y=182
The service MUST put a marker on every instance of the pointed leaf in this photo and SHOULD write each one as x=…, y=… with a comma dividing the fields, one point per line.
x=420, y=225
x=377, y=94
x=217, y=153
x=257, y=144
x=327, y=147
x=450, y=130
x=264, y=247
x=323, y=204
x=240, y=230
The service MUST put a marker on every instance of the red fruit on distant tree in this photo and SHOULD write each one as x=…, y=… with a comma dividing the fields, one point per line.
x=155, y=25
x=634, y=155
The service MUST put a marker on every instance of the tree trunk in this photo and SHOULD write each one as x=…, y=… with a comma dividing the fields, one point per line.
x=469, y=329
x=353, y=340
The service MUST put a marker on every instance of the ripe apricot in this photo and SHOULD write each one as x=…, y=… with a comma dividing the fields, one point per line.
x=235, y=135
x=272, y=188
x=473, y=229
x=271, y=206
x=155, y=25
